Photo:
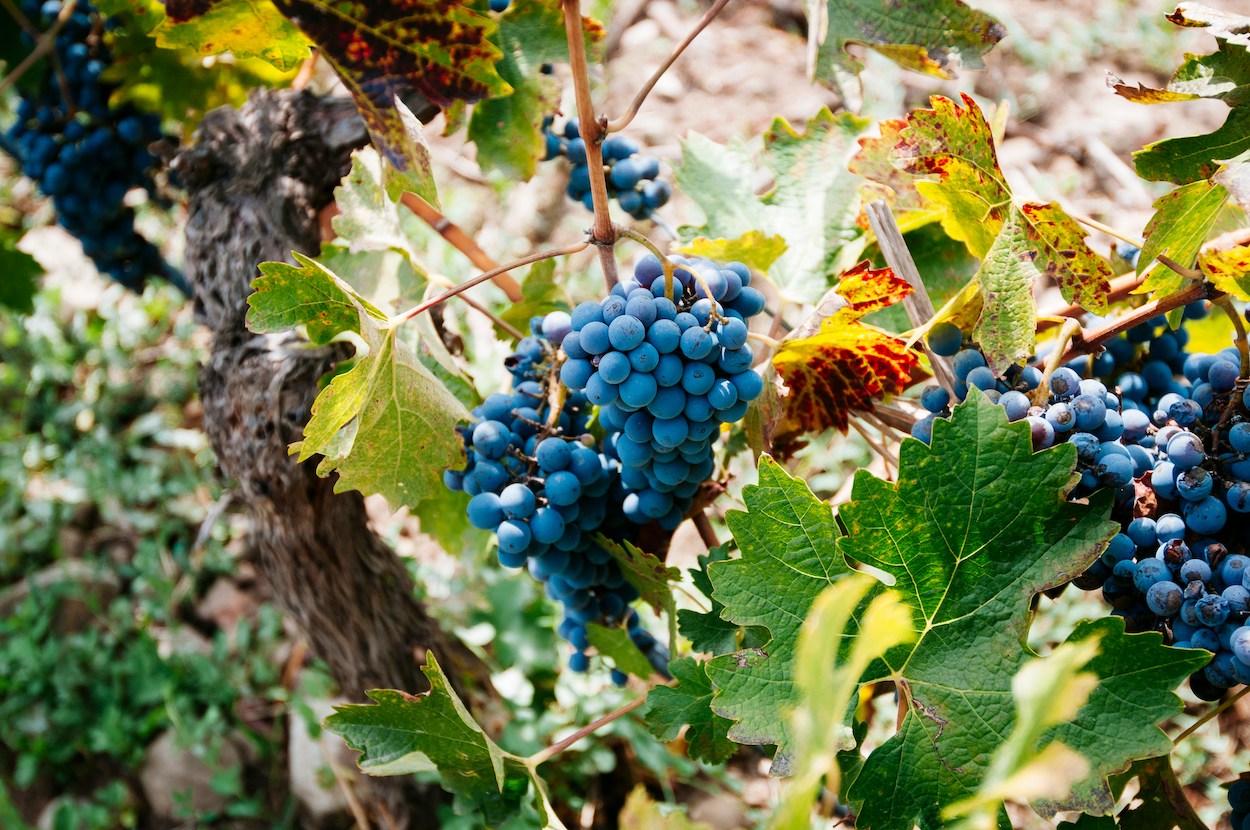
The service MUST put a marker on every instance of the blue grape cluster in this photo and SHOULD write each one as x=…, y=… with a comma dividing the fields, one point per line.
x=1169, y=431
x=1239, y=801
x=631, y=178
x=665, y=372
x=544, y=489
x=86, y=153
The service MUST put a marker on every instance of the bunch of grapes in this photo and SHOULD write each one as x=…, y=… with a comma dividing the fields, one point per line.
x=543, y=488
x=1239, y=801
x=1171, y=437
x=666, y=372
x=85, y=152
x=631, y=178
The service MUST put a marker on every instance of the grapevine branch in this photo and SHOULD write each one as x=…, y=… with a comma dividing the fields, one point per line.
x=545, y=755
x=706, y=532
x=1198, y=724
x=405, y=316
x=1088, y=341
x=22, y=20
x=621, y=123
x=43, y=45
x=462, y=242
x=602, y=233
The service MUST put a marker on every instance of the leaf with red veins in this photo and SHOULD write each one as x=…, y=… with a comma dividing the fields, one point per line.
x=845, y=365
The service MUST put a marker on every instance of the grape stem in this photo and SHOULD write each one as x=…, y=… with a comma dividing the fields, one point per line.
x=1121, y=288
x=1090, y=222
x=1173, y=265
x=426, y=305
x=1071, y=328
x=45, y=44
x=462, y=242
x=759, y=337
x=617, y=124
x=306, y=71
x=603, y=232
x=500, y=323
x=706, y=532
x=1212, y=713
x=665, y=262
x=559, y=393
x=544, y=755
x=22, y=21
x=886, y=458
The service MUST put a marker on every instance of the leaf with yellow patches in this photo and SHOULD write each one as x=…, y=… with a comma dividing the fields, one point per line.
x=846, y=365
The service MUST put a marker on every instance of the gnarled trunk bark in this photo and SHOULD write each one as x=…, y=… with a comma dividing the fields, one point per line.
x=257, y=178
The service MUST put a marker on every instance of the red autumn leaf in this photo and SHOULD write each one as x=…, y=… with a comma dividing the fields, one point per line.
x=845, y=365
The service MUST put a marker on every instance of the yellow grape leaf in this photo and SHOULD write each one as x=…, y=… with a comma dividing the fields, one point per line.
x=754, y=249
x=641, y=813
x=1229, y=271
x=846, y=365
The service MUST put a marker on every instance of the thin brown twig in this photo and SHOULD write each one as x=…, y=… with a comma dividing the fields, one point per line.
x=544, y=755
x=706, y=532
x=483, y=277
x=44, y=44
x=1196, y=725
x=462, y=242
x=602, y=233
x=500, y=323
x=22, y=20
x=306, y=71
x=621, y=123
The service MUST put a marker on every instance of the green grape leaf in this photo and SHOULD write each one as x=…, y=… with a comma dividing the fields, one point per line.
x=754, y=249
x=311, y=296
x=1223, y=75
x=827, y=675
x=387, y=50
x=708, y=631
x=1118, y=723
x=811, y=207
x=1008, y=319
x=615, y=644
x=975, y=527
x=1048, y=691
x=641, y=813
x=789, y=555
x=1181, y=223
x=540, y=293
x=369, y=219
x=244, y=28
x=669, y=709
x=507, y=129
x=1195, y=158
x=387, y=425
x=400, y=734
x=936, y=37
x=21, y=274
x=651, y=577
x=1228, y=271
